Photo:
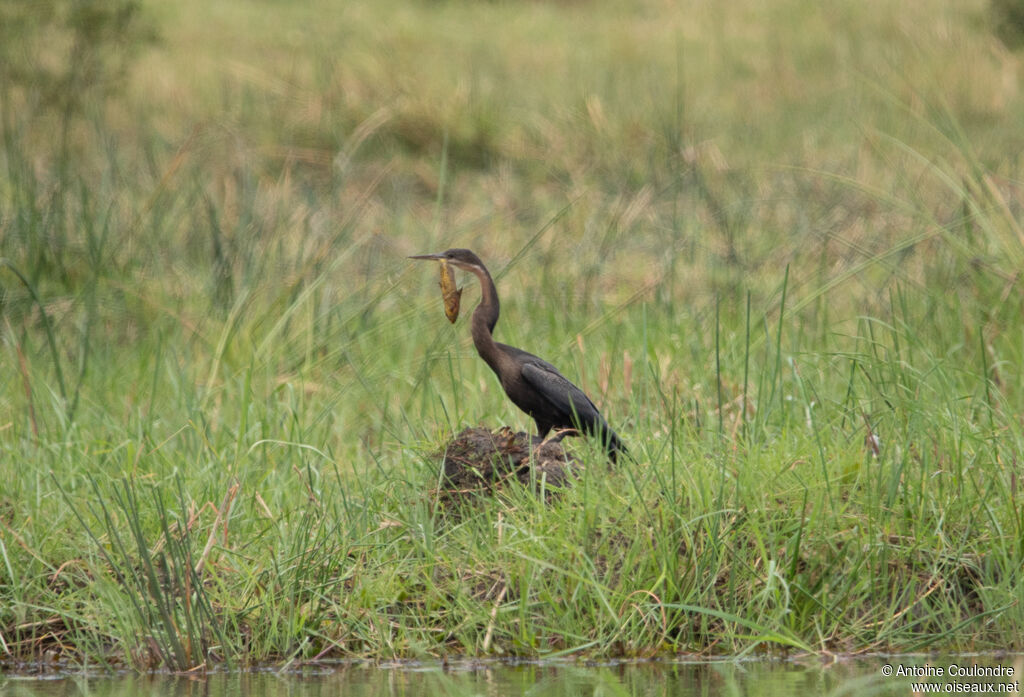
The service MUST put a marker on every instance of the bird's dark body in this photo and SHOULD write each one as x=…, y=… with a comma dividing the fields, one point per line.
x=533, y=384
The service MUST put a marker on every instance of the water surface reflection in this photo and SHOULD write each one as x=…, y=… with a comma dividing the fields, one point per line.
x=861, y=676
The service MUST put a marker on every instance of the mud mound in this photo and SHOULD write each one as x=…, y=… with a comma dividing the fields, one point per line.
x=478, y=460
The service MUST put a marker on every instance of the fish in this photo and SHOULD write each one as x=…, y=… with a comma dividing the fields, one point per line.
x=452, y=295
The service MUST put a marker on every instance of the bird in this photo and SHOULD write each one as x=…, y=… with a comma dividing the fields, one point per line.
x=533, y=384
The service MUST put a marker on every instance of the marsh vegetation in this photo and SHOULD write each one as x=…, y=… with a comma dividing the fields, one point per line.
x=780, y=245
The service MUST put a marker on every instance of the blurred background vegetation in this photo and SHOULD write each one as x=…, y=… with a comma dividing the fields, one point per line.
x=172, y=161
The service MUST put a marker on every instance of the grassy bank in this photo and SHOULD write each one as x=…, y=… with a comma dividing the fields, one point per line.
x=781, y=248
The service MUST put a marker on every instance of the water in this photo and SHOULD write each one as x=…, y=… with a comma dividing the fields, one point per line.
x=725, y=678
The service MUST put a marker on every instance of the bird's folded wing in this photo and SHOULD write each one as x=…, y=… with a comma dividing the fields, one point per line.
x=562, y=394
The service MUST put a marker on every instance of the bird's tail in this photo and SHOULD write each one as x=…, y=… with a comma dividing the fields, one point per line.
x=599, y=429
x=613, y=445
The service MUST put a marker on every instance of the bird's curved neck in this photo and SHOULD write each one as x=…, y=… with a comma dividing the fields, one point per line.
x=485, y=316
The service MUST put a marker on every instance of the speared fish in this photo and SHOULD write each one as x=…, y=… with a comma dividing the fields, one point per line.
x=452, y=295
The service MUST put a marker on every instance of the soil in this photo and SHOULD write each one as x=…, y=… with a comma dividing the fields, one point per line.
x=478, y=460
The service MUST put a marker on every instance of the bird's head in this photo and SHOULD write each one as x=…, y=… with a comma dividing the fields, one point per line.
x=460, y=258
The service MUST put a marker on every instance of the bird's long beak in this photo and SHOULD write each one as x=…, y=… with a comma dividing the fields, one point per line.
x=431, y=257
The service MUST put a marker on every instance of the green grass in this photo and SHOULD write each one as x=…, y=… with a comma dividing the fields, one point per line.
x=780, y=247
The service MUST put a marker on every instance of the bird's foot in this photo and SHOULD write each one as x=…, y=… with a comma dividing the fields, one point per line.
x=559, y=434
